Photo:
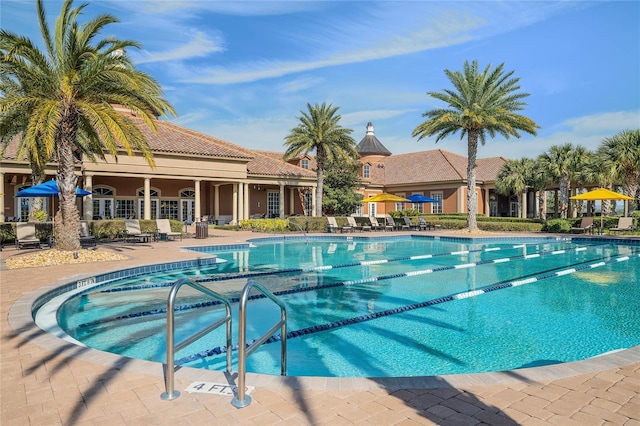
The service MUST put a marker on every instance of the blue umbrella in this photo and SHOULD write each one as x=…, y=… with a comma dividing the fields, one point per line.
x=419, y=198
x=47, y=189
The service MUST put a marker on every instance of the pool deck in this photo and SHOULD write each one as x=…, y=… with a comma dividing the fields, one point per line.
x=47, y=381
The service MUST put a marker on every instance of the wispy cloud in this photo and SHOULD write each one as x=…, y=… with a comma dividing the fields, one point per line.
x=199, y=45
x=438, y=35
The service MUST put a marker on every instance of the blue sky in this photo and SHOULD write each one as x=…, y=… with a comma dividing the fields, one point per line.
x=242, y=71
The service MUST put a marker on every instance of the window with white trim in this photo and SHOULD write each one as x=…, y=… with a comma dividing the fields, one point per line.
x=436, y=207
x=273, y=204
x=366, y=171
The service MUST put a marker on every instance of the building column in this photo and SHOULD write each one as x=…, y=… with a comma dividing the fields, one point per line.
x=240, y=202
x=146, y=215
x=2, y=217
x=556, y=206
x=247, y=200
x=313, y=201
x=281, y=212
x=197, y=207
x=292, y=205
x=460, y=201
x=87, y=201
x=487, y=207
x=216, y=202
x=523, y=207
x=234, y=220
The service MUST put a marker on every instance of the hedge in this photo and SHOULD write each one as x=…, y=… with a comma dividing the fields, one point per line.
x=101, y=229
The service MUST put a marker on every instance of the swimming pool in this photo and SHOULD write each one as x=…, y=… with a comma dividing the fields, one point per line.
x=373, y=307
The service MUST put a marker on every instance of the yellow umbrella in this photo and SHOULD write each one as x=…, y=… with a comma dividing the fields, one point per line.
x=601, y=194
x=385, y=197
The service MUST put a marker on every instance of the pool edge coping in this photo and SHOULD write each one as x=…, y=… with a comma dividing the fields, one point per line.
x=22, y=323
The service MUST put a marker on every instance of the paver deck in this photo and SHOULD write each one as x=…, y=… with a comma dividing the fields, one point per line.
x=46, y=381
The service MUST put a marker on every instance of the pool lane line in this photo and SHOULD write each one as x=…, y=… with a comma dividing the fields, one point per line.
x=393, y=311
x=337, y=284
x=328, y=267
x=199, y=305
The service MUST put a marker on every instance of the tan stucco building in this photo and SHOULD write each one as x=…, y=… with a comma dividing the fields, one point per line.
x=200, y=177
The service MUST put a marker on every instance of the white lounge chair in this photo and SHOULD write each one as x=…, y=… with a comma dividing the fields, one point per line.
x=164, y=230
x=352, y=222
x=410, y=225
x=26, y=235
x=586, y=224
x=333, y=225
x=396, y=226
x=624, y=224
x=132, y=231
x=375, y=225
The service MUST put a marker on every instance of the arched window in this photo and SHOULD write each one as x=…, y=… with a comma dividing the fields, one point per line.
x=187, y=193
x=153, y=192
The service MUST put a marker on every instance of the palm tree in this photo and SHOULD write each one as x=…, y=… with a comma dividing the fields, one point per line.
x=67, y=93
x=621, y=155
x=319, y=130
x=540, y=181
x=481, y=104
x=514, y=177
x=561, y=162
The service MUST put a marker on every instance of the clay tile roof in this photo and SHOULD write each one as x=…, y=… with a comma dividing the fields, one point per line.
x=424, y=166
x=488, y=168
x=433, y=166
x=172, y=138
x=271, y=163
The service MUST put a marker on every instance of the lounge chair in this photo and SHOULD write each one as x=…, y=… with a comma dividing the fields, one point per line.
x=26, y=235
x=132, y=231
x=333, y=225
x=164, y=230
x=586, y=225
x=86, y=239
x=352, y=222
x=409, y=225
x=396, y=226
x=423, y=224
x=375, y=225
x=624, y=224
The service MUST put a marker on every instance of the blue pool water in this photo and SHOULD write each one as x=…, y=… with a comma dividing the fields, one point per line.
x=372, y=307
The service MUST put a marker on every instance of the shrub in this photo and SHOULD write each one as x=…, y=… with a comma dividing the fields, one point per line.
x=558, y=225
x=265, y=225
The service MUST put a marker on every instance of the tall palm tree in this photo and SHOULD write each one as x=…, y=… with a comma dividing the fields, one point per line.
x=621, y=154
x=540, y=179
x=561, y=161
x=67, y=94
x=482, y=103
x=514, y=177
x=319, y=130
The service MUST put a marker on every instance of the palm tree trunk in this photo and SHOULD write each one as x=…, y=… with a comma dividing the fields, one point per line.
x=564, y=196
x=542, y=204
x=67, y=223
x=320, y=178
x=472, y=197
x=319, y=189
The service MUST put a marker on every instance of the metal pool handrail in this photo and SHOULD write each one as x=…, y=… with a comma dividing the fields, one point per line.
x=242, y=400
x=171, y=393
x=296, y=224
